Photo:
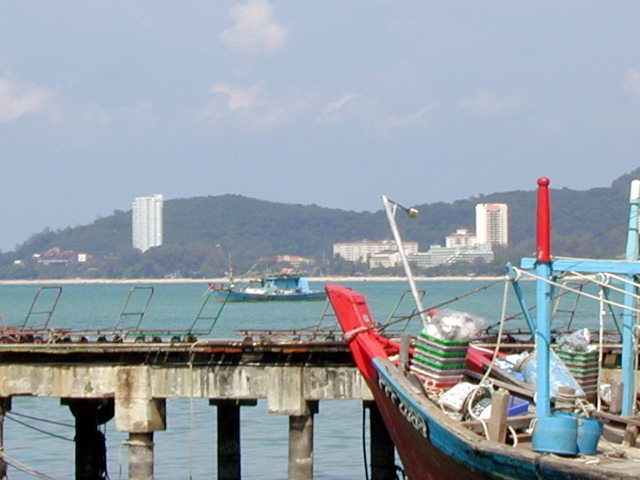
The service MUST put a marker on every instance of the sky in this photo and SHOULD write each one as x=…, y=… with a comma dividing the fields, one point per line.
x=325, y=102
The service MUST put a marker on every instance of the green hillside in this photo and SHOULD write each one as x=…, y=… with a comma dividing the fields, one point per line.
x=201, y=234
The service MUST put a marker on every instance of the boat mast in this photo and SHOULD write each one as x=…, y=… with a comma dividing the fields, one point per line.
x=543, y=297
x=390, y=208
x=628, y=315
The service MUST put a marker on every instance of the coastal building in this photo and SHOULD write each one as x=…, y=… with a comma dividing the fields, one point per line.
x=361, y=250
x=492, y=224
x=147, y=222
x=385, y=259
x=294, y=260
x=461, y=239
x=439, y=255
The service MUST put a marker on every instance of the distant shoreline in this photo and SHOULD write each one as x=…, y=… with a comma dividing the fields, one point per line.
x=333, y=279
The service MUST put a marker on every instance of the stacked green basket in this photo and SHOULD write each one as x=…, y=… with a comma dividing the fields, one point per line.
x=584, y=367
x=440, y=363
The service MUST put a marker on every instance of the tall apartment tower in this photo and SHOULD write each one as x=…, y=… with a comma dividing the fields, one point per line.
x=147, y=222
x=492, y=224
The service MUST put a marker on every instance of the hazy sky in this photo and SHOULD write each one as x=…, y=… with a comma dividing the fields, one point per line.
x=327, y=102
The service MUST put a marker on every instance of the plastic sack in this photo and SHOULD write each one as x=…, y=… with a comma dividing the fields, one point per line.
x=575, y=342
x=447, y=324
x=559, y=374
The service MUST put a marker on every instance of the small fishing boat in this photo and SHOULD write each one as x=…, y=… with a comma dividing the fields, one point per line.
x=270, y=288
x=456, y=406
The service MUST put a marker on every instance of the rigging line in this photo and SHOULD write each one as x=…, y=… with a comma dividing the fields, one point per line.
x=577, y=292
x=40, y=419
x=455, y=299
x=39, y=429
x=615, y=226
x=24, y=468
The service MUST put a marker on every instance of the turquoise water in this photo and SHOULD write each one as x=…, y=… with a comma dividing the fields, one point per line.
x=187, y=448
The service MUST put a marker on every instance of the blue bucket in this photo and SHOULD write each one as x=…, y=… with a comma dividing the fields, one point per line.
x=557, y=435
x=589, y=431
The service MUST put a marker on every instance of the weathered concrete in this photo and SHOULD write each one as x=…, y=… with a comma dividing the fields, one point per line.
x=301, y=444
x=138, y=379
x=140, y=456
x=286, y=388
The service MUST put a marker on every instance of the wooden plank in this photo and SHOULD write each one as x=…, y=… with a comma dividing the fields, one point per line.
x=525, y=392
x=497, y=426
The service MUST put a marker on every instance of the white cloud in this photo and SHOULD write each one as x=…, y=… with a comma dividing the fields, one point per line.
x=237, y=97
x=254, y=107
x=487, y=102
x=256, y=31
x=631, y=83
x=348, y=105
x=411, y=119
x=351, y=106
x=18, y=100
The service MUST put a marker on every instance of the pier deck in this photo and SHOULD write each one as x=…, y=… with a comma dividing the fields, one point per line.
x=130, y=383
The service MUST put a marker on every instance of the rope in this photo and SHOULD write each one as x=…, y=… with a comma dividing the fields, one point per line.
x=39, y=419
x=578, y=292
x=23, y=468
x=600, y=348
x=351, y=334
x=39, y=429
x=440, y=305
x=503, y=317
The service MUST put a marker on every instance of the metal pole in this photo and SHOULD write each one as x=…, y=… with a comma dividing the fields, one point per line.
x=391, y=216
x=543, y=270
x=628, y=316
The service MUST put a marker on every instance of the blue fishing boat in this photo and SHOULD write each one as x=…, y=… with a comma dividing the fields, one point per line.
x=270, y=288
x=459, y=406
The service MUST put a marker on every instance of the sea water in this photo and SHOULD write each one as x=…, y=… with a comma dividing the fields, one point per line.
x=187, y=449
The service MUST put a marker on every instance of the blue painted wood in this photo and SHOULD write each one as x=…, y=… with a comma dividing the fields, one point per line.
x=583, y=265
x=521, y=300
x=628, y=316
x=543, y=340
x=502, y=464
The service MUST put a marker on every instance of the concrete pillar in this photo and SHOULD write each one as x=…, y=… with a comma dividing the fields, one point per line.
x=5, y=406
x=90, y=449
x=301, y=444
x=229, y=453
x=383, y=461
x=140, y=456
x=140, y=414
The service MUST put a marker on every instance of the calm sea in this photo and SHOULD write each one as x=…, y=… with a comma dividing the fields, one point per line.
x=187, y=448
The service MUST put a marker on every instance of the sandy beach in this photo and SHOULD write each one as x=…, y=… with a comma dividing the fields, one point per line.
x=70, y=281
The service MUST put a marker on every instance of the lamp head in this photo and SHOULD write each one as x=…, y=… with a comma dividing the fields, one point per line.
x=412, y=212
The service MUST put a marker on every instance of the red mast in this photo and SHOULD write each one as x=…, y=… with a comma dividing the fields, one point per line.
x=544, y=222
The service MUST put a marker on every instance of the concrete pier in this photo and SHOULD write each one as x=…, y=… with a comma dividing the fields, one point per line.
x=229, y=451
x=383, y=462
x=140, y=456
x=132, y=381
x=301, y=444
x=5, y=406
x=90, y=450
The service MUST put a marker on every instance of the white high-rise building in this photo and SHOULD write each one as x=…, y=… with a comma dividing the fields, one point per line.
x=492, y=224
x=147, y=222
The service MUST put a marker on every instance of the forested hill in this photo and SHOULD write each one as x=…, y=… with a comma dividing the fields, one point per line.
x=591, y=223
